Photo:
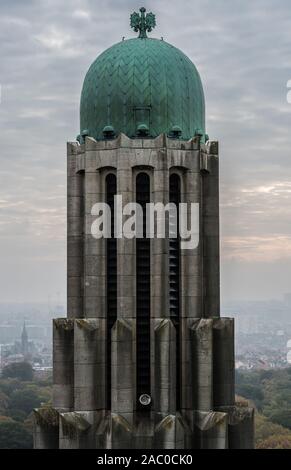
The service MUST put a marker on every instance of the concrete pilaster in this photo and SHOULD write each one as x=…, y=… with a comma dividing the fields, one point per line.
x=169, y=432
x=123, y=368
x=165, y=367
x=202, y=364
x=94, y=253
x=63, y=364
x=159, y=247
x=223, y=362
x=210, y=231
x=46, y=428
x=210, y=430
x=122, y=432
x=126, y=278
x=240, y=427
x=191, y=259
x=75, y=233
x=76, y=431
x=90, y=365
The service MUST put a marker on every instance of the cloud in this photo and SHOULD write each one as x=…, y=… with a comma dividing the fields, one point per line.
x=53, y=39
x=81, y=14
x=242, y=50
x=59, y=42
x=257, y=249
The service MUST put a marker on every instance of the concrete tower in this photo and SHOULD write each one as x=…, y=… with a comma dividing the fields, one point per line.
x=143, y=359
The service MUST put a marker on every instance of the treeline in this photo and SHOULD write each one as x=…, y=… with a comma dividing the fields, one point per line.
x=270, y=392
x=20, y=393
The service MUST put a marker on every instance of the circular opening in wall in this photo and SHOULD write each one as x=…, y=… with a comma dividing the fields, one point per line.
x=145, y=399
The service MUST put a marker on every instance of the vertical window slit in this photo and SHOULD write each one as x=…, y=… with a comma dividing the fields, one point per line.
x=143, y=294
x=175, y=279
x=111, y=279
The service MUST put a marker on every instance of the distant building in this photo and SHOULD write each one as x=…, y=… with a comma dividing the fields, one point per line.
x=24, y=343
x=23, y=350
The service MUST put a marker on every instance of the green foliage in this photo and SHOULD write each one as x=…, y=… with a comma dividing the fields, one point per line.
x=14, y=436
x=282, y=417
x=45, y=382
x=270, y=391
x=267, y=374
x=275, y=442
x=4, y=401
x=17, y=415
x=8, y=386
x=265, y=428
x=25, y=400
x=5, y=419
x=252, y=392
x=19, y=370
x=17, y=400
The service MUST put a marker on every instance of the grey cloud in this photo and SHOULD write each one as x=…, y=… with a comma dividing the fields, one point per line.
x=242, y=50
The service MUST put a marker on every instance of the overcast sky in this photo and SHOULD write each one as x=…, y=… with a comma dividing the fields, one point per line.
x=242, y=50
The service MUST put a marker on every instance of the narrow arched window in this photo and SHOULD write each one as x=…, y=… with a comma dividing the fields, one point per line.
x=175, y=280
x=111, y=278
x=143, y=296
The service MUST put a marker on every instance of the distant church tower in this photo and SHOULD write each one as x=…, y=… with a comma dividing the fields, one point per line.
x=24, y=342
x=143, y=359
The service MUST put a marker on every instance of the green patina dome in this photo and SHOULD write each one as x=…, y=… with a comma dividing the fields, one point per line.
x=142, y=81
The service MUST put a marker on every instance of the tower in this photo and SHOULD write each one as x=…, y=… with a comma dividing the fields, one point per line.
x=143, y=359
x=24, y=342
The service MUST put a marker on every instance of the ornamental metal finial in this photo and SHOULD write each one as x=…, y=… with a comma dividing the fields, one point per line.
x=143, y=22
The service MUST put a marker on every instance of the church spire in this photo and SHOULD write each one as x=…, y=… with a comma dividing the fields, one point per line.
x=24, y=340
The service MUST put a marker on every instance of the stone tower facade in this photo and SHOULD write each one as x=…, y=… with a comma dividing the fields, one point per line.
x=143, y=359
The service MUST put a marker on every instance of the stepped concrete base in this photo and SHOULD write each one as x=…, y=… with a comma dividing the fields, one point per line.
x=103, y=430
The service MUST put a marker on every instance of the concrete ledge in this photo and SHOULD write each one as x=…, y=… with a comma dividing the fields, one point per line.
x=46, y=428
x=240, y=427
x=210, y=430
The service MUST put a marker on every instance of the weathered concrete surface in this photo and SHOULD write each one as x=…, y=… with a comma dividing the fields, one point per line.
x=63, y=364
x=89, y=364
x=46, y=428
x=241, y=431
x=207, y=416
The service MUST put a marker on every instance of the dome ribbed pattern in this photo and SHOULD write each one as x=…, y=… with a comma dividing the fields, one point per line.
x=142, y=81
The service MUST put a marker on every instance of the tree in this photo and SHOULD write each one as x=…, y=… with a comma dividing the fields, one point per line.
x=267, y=375
x=252, y=392
x=4, y=401
x=14, y=436
x=282, y=417
x=24, y=400
x=266, y=429
x=17, y=415
x=280, y=441
x=20, y=370
x=7, y=386
x=5, y=419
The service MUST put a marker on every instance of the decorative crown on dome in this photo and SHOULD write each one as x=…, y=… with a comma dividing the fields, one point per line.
x=143, y=22
x=142, y=87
